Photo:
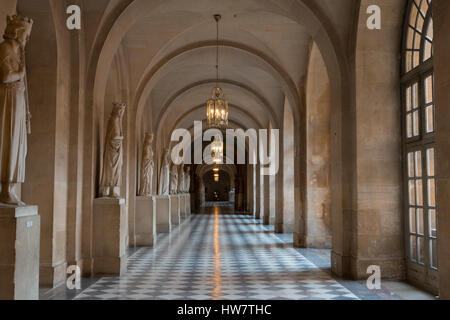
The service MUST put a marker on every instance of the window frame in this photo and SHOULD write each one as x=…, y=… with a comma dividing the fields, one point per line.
x=424, y=275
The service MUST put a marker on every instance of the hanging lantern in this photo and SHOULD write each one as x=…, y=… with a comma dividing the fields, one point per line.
x=217, y=109
x=217, y=106
x=217, y=149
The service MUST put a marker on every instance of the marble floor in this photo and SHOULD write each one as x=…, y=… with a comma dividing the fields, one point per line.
x=219, y=255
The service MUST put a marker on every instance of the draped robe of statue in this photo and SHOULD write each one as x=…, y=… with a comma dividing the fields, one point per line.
x=187, y=180
x=174, y=179
x=147, y=167
x=164, y=177
x=14, y=114
x=181, y=180
x=113, y=156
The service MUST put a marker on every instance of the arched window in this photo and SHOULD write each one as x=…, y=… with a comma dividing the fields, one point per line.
x=419, y=145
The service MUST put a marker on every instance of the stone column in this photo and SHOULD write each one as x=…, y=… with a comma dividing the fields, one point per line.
x=250, y=190
x=175, y=209
x=258, y=193
x=188, y=204
x=145, y=221
x=163, y=210
x=441, y=16
x=182, y=206
x=266, y=200
x=279, y=190
x=19, y=257
x=109, y=237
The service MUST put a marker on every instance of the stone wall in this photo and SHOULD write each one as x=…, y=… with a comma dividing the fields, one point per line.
x=441, y=15
x=318, y=104
x=378, y=224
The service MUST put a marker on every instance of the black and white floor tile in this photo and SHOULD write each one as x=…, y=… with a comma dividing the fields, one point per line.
x=219, y=257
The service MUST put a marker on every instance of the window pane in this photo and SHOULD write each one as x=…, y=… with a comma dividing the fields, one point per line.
x=418, y=164
x=421, y=247
x=409, y=130
x=412, y=192
x=408, y=60
x=412, y=220
x=415, y=95
x=408, y=99
x=416, y=123
x=432, y=223
x=429, y=89
x=420, y=222
x=409, y=41
x=413, y=248
x=429, y=113
x=416, y=57
x=411, y=170
x=431, y=193
x=430, y=163
x=419, y=193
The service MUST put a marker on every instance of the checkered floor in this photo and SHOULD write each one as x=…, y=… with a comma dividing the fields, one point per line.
x=219, y=257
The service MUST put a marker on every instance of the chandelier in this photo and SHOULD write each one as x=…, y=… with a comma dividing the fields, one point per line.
x=217, y=106
x=217, y=149
x=216, y=174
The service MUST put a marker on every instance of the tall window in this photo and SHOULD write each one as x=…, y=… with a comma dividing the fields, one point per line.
x=419, y=145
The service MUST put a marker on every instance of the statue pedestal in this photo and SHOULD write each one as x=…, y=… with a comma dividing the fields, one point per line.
x=163, y=214
x=19, y=252
x=145, y=221
x=183, y=206
x=109, y=236
x=175, y=209
x=188, y=204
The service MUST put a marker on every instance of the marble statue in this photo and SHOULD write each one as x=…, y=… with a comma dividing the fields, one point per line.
x=164, y=177
x=14, y=109
x=113, y=156
x=147, y=166
x=187, y=180
x=174, y=180
x=181, y=179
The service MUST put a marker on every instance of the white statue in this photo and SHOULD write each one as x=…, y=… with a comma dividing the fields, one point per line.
x=147, y=166
x=14, y=109
x=164, y=177
x=181, y=179
x=187, y=180
x=113, y=156
x=174, y=179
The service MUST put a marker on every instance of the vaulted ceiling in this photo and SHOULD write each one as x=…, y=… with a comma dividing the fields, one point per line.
x=170, y=51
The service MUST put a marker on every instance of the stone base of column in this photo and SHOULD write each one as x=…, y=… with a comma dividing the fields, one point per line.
x=188, y=204
x=279, y=228
x=299, y=240
x=183, y=206
x=19, y=252
x=163, y=210
x=145, y=221
x=175, y=209
x=349, y=267
x=109, y=237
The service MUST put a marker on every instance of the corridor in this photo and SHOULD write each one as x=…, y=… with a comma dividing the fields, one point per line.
x=227, y=257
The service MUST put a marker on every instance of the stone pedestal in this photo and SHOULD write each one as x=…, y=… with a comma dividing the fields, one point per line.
x=175, y=209
x=19, y=253
x=183, y=206
x=163, y=210
x=109, y=237
x=145, y=221
x=188, y=204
